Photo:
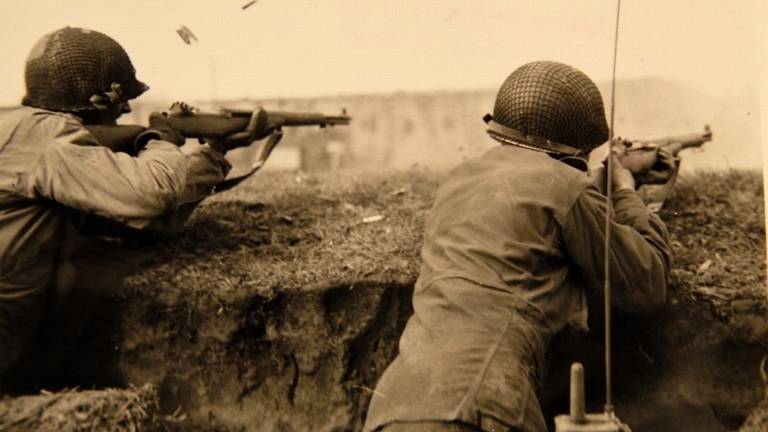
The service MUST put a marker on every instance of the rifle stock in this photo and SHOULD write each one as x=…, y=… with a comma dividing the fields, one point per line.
x=121, y=138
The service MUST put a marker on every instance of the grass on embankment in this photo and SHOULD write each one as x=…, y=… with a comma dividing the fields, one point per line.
x=283, y=232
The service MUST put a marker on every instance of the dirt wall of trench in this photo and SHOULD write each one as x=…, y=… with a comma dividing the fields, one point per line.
x=281, y=304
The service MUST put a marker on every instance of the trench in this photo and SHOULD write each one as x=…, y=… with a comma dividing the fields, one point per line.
x=309, y=360
x=294, y=361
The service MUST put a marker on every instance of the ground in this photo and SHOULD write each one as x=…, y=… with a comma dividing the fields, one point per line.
x=281, y=303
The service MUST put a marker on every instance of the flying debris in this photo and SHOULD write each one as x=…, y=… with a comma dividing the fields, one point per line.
x=186, y=35
x=249, y=4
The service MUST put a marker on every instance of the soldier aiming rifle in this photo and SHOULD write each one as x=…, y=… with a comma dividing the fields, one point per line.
x=513, y=247
x=60, y=167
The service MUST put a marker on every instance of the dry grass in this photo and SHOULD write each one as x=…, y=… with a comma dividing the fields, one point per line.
x=717, y=226
x=287, y=232
x=118, y=410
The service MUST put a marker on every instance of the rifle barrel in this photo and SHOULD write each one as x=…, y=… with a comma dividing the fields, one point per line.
x=212, y=125
x=290, y=118
x=306, y=119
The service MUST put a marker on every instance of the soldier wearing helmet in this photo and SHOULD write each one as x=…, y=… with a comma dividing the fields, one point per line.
x=52, y=171
x=513, y=247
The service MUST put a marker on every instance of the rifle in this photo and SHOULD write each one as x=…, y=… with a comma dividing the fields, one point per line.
x=641, y=157
x=194, y=123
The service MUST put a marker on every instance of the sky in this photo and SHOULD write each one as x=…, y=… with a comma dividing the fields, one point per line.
x=297, y=48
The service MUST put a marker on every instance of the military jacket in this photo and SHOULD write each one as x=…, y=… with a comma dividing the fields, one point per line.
x=50, y=168
x=513, y=244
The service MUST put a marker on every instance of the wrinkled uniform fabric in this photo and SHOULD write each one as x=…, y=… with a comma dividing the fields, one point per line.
x=51, y=169
x=514, y=240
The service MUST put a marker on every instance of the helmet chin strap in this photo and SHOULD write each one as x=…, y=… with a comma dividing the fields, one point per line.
x=109, y=98
x=508, y=135
x=572, y=156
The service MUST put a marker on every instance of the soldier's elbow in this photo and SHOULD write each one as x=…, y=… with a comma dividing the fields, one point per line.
x=163, y=191
x=159, y=199
x=145, y=209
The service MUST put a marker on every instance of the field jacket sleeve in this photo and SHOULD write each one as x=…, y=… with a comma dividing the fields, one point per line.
x=75, y=171
x=639, y=251
x=206, y=168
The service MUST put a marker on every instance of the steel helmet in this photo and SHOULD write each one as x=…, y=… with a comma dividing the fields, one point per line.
x=551, y=103
x=75, y=69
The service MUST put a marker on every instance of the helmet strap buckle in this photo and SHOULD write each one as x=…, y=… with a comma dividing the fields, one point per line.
x=109, y=98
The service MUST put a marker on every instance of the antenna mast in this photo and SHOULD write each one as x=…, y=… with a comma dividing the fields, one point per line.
x=609, y=210
x=578, y=420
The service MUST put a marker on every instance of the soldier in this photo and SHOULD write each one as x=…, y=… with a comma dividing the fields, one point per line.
x=513, y=246
x=52, y=171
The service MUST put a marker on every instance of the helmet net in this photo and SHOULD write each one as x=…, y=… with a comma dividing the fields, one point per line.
x=68, y=66
x=553, y=101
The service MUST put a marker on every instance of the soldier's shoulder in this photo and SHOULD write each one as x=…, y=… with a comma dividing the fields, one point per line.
x=39, y=125
x=544, y=167
x=26, y=113
x=55, y=121
x=510, y=164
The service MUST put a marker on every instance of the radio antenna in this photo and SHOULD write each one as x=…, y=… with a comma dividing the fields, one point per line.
x=609, y=210
x=578, y=420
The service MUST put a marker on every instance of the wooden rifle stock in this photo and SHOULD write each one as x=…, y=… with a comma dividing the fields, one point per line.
x=122, y=138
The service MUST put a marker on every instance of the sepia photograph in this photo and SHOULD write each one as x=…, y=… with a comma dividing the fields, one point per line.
x=383, y=215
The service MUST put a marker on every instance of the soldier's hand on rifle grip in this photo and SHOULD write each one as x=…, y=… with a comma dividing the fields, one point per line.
x=622, y=177
x=257, y=128
x=160, y=128
x=661, y=171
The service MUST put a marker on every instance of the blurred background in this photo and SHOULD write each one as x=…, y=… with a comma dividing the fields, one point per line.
x=418, y=76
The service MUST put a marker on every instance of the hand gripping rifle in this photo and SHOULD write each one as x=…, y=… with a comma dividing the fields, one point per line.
x=647, y=163
x=194, y=123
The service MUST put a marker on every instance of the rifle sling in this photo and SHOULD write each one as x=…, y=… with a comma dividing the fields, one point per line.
x=266, y=150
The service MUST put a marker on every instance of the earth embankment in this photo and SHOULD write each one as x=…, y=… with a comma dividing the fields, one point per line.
x=281, y=303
